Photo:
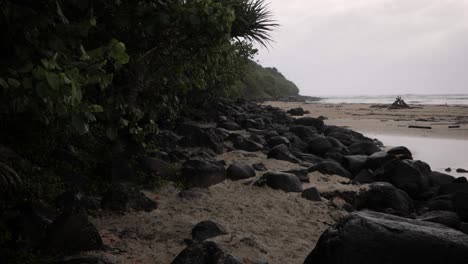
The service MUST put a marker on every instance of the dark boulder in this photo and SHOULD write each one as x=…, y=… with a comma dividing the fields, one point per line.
x=370, y=237
x=404, y=176
x=310, y=121
x=382, y=196
x=123, y=197
x=363, y=148
x=240, y=171
x=204, y=253
x=207, y=229
x=296, y=111
x=307, y=157
x=296, y=142
x=283, y=181
x=460, y=205
x=331, y=168
x=345, y=138
x=461, y=180
x=201, y=137
x=259, y=167
x=453, y=188
x=440, y=179
x=203, y=173
x=281, y=152
x=364, y=176
x=378, y=159
x=304, y=132
x=232, y=126
x=446, y=218
x=301, y=174
x=355, y=163
x=400, y=152
x=460, y=170
x=422, y=166
x=160, y=167
x=318, y=145
x=242, y=143
x=312, y=194
x=278, y=140
x=73, y=232
x=440, y=203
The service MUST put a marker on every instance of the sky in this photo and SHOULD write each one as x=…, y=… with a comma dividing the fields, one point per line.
x=371, y=47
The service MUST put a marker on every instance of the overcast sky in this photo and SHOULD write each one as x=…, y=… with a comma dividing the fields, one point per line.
x=333, y=47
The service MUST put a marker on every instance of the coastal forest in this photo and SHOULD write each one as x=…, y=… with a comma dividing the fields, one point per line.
x=85, y=83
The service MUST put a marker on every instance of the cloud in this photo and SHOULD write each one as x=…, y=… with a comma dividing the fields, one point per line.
x=371, y=46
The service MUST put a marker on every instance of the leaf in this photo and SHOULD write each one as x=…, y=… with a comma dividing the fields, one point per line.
x=61, y=15
x=13, y=82
x=3, y=83
x=80, y=126
x=53, y=80
x=95, y=109
x=92, y=21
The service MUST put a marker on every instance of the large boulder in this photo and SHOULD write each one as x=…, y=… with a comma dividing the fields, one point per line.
x=355, y=163
x=232, y=126
x=406, y=177
x=242, y=143
x=363, y=148
x=384, y=197
x=318, y=145
x=400, y=152
x=310, y=121
x=204, y=253
x=240, y=171
x=304, y=132
x=453, y=188
x=203, y=173
x=195, y=136
x=301, y=174
x=460, y=205
x=331, y=168
x=281, y=152
x=123, y=197
x=378, y=159
x=371, y=237
x=296, y=142
x=296, y=111
x=312, y=194
x=287, y=182
x=73, y=232
x=440, y=179
x=278, y=140
x=446, y=218
x=207, y=229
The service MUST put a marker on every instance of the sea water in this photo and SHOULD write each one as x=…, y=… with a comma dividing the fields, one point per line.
x=434, y=99
x=439, y=153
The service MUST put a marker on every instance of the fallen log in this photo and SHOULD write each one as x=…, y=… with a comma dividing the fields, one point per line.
x=420, y=127
x=454, y=126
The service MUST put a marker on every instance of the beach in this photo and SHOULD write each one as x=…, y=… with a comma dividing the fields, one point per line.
x=442, y=147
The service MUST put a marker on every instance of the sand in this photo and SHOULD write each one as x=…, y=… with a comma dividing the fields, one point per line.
x=263, y=224
x=377, y=119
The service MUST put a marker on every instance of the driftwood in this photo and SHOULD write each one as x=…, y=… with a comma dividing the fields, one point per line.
x=399, y=104
x=454, y=126
x=421, y=127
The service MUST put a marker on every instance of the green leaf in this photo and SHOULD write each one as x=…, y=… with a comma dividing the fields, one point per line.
x=53, y=80
x=3, y=83
x=80, y=125
x=92, y=21
x=95, y=109
x=13, y=82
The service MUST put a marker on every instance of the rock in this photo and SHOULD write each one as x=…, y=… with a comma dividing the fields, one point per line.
x=440, y=203
x=240, y=171
x=404, y=176
x=447, y=218
x=204, y=253
x=370, y=237
x=191, y=194
x=281, y=152
x=307, y=157
x=83, y=260
x=440, y=179
x=123, y=197
x=422, y=166
x=310, y=121
x=462, y=170
x=331, y=168
x=304, y=132
x=296, y=111
x=201, y=137
x=73, y=232
x=338, y=145
x=296, y=142
x=10, y=181
x=318, y=145
x=242, y=143
x=355, y=163
x=301, y=174
x=207, y=229
x=448, y=170
x=460, y=180
x=283, y=181
x=401, y=153
x=232, y=126
x=363, y=148
x=203, y=173
x=278, y=140
x=378, y=159
x=364, y=176
x=382, y=196
x=161, y=168
x=460, y=205
x=259, y=167
x=312, y=194
x=258, y=139
x=453, y=188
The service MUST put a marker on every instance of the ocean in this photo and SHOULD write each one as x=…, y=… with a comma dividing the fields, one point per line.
x=433, y=99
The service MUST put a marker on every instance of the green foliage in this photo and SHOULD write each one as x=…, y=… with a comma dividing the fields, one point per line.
x=259, y=83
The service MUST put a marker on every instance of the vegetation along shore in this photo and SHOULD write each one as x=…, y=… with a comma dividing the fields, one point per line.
x=134, y=132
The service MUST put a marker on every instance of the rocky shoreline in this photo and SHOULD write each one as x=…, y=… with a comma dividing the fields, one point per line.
x=388, y=208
